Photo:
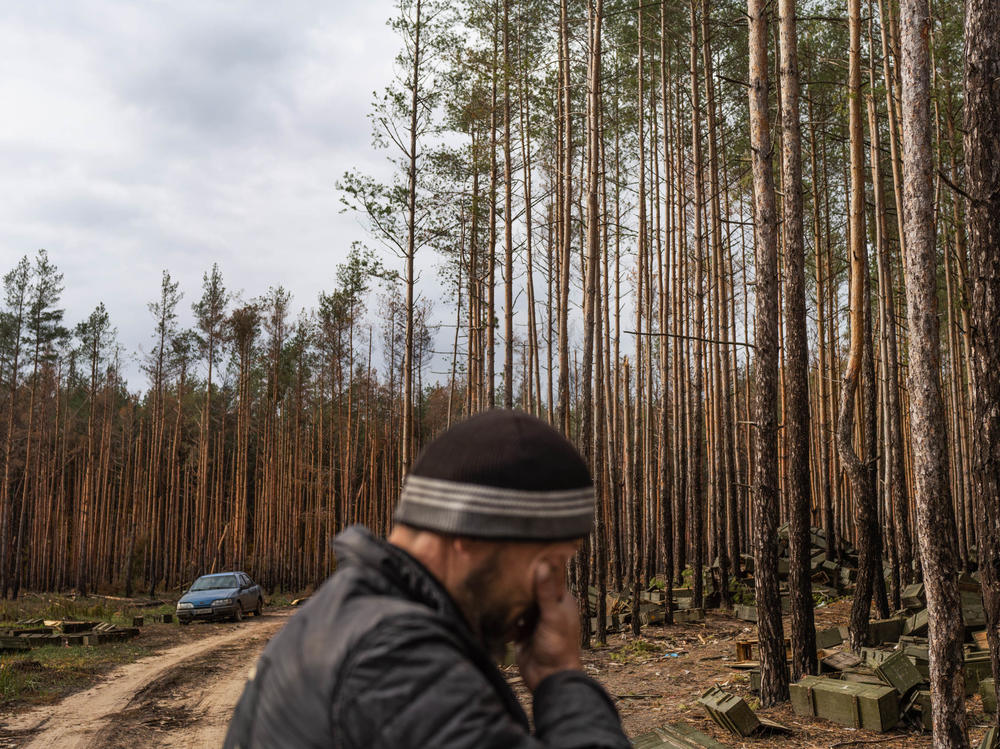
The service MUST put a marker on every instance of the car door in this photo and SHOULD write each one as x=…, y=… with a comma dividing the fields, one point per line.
x=245, y=593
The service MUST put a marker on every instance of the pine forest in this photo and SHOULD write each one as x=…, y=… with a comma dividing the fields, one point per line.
x=747, y=257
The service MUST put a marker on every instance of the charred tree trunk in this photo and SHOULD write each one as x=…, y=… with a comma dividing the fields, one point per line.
x=774, y=676
x=936, y=530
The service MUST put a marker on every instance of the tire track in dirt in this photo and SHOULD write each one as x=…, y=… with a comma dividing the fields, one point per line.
x=182, y=697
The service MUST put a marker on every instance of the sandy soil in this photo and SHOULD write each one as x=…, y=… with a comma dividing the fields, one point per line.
x=181, y=697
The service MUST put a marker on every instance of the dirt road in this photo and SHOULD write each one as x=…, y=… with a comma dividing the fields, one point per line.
x=182, y=697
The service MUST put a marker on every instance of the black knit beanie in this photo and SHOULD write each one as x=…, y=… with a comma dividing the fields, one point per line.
x=500, y=475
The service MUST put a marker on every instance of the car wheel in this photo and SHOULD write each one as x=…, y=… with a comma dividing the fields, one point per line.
x=184, y=622
x=238, y=614
x=260, y=607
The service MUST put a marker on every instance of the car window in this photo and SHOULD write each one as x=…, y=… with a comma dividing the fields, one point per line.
x=215, y=582
x=244, y=581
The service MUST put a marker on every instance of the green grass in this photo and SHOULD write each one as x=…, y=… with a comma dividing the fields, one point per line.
x=52, y=671
x=49, y=672
x=85, y=609
x=634, y=649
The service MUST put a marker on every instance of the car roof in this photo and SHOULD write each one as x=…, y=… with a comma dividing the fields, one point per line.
x=220, y=574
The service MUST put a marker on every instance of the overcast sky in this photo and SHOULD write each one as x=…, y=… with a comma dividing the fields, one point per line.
x=142, y=136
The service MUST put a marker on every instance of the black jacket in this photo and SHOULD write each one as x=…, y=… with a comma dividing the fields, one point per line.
x=381, y=658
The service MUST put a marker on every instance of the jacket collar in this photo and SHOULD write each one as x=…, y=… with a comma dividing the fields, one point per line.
x=356, y=545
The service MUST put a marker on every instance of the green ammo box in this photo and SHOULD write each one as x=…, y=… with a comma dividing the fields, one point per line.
x=861, y=676
x=755, y=679
x=746, y=613
x=839, y=661
x=919, y=707
x=730, y=712
x=885, y=630
x=689, y=615
x=898, y=671
x=675, y=737
x=991, y=740
x=913, y=597
x=816, y=561
x=973, y=613
x=916, y=624
x=978, y=666
x=989, y=695
x=13, y=643
x=868, y=706
x=874, y=656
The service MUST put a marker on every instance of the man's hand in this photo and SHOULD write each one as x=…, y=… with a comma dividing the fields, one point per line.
x=555, y=643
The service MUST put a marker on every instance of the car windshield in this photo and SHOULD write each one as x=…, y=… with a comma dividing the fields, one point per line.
x=215, y=582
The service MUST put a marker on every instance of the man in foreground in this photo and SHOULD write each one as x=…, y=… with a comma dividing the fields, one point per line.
x=398, y=648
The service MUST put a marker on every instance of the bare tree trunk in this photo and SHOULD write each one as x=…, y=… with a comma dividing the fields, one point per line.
x=803, y=632
x=774, y=676
x=982, y=168
x=697, y=448
x=935, y=520
x=508, y=224
x=411, y=248
x=857, y=470
x=566, y=210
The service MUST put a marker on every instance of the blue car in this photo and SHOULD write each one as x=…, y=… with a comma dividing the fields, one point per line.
x=226, y=595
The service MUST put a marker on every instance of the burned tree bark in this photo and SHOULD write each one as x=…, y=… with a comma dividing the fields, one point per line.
x=866, y=514
x=774, y=676
x=936, y=530
x=982, y=174
x=796, y=357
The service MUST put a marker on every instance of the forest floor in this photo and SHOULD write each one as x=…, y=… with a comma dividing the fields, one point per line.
x=656, y=679
x=183, y=694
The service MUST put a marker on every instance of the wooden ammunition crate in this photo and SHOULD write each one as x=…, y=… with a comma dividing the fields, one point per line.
x=689, y=615
x=839, y=661
x=849, y=704
x=828, y=638
x=746, y=613
x=861, y=676
x=989, y=695
x=919, y=709
x=917, y=624
x=675, y=737
x=977, y=667
x=991, y=739
x=730, y=712
x=885, y=630
x=13, y=644
x=913, y=597
x=973, y=613
x=899, y=672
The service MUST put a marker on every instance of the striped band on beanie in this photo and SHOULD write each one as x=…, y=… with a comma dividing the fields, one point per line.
x=500, y=475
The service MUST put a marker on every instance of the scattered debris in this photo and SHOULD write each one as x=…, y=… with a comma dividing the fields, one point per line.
x=676, y=737
x=35, y=633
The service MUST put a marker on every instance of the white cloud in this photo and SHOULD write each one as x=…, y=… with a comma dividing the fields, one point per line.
x=141, y=136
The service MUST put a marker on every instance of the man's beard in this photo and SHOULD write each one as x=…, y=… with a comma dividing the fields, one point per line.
x=490, y=618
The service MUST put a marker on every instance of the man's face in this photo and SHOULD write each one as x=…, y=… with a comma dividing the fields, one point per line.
x=497, y=594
